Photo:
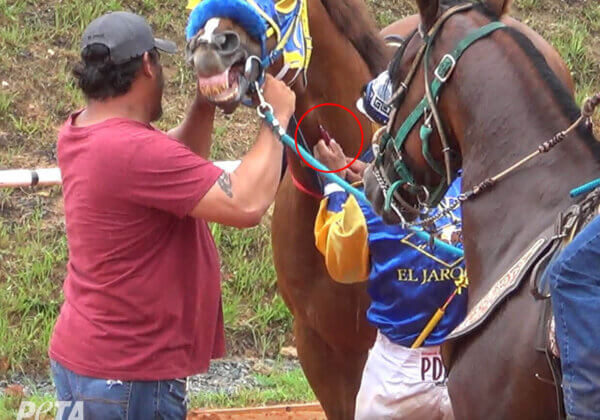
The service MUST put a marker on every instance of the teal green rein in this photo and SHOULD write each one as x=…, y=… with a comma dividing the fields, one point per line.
x=586, y=188
x=442, y=73
x=289, y=142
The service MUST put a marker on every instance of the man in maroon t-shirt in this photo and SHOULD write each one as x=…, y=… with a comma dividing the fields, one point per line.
x=142, y=304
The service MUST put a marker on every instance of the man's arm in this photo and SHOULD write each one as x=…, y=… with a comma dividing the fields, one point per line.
x=242, y=197
x=196, y=129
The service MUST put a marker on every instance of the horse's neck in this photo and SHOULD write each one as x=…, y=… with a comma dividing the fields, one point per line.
x=336, y=74
x=500, y=224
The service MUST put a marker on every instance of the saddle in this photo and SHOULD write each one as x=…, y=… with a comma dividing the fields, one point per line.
x=568, y=224
x=531, y=265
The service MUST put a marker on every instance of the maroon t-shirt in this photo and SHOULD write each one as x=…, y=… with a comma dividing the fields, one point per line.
x=142, y=292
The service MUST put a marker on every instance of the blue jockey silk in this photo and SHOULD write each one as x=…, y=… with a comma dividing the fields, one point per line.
x=407, y=280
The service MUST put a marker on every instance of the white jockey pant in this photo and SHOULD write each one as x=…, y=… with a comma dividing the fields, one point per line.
x=403, y=383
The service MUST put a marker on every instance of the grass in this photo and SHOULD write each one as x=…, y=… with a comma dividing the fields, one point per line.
x=571, y=40
x=572, y=30
x=275, y=388
x=255, y=316
x=9, y=406
x=30, y=299
x=40, y=94
x=527, y=5
x=278, y=387
x=591, y=12
x=6, y=102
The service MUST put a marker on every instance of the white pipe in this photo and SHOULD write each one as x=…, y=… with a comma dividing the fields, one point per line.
x=228, y=165
x=15, y=178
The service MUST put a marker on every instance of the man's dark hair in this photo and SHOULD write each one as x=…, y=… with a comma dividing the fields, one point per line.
x=100, y=78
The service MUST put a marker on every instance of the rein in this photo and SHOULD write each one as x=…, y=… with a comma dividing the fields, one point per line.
x=265, y=112
x=427, y=109
x=587, y=111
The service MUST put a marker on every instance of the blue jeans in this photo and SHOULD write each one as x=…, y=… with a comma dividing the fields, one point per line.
x=575, y=284
x=88, y=398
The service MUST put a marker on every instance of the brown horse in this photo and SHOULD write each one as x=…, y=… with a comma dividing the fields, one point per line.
x=331, y=333
x=500, y=103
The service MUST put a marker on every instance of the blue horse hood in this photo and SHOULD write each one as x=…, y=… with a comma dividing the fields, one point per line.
x=239, y=11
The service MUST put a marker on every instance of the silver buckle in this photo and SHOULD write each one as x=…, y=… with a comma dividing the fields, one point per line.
x=450, y=69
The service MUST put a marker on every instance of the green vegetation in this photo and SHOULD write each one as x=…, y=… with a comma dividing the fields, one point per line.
x=38, y=45
x=527, y=5
x=9, y=405
x=574, y=31
x=30, y=299
x=38, y=48
x=255, y=316
x=277, y=387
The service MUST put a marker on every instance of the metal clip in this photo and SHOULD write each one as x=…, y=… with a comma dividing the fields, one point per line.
x=427, y=116
x=572, y=216
x=446, y=76
x=425, y=191
x=263, y=107
x=252, y=69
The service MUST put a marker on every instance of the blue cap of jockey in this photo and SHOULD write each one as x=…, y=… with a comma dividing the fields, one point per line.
x=375, y=97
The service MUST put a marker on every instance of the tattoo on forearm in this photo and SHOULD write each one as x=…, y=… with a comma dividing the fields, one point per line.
x=224, y=182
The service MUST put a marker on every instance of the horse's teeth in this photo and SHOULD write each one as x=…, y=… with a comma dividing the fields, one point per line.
x=213, y=90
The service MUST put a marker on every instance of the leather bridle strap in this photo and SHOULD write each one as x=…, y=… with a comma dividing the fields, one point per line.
x=443, y=72
x=401, y=91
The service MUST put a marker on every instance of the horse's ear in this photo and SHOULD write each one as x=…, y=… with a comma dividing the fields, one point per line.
x=499, y=7
x=428, y=9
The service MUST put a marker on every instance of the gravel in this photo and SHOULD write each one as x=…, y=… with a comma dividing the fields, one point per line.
x=225, y=375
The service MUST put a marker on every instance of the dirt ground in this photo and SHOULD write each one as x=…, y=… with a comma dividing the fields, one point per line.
x=38, y=45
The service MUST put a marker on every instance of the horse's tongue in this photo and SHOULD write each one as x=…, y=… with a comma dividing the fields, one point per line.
x=217, y=80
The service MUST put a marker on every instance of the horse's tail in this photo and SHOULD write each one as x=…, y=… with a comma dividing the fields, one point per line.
x=352, y=18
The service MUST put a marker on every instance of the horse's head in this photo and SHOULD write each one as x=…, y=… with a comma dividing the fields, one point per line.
x=232, y=42
x=218, y=53
x=420, y=149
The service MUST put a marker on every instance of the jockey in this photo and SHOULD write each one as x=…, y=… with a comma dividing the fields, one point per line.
x=574, y=281
x=408, y=281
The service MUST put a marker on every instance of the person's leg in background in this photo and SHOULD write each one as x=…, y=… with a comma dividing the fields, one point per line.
x=574, y=278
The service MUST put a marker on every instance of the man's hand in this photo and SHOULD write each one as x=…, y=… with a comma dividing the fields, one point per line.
x=242, y=197
x=356, y=171
x=331, y=155
x=281, y=98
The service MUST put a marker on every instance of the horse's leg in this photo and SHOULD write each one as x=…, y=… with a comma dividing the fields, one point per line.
x=334, y=377
x=493, y=371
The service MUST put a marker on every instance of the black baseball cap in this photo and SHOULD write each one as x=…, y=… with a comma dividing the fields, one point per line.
x=126, y=35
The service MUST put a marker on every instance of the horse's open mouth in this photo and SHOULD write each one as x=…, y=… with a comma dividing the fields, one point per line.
x=226, y=89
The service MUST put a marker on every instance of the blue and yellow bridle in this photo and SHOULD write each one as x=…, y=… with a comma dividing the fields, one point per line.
x=286, y=20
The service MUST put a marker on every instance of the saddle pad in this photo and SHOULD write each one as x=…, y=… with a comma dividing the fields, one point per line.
x=503, y=287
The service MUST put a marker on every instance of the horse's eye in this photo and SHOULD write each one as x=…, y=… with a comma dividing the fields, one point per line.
x=228, y=42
